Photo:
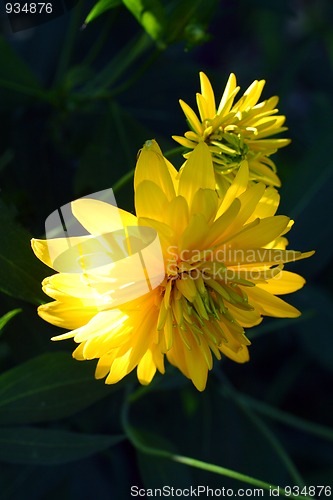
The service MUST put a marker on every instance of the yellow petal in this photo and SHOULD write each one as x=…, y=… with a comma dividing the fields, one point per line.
x=191, y=117
x=255, y=237
x=151, y=166
x=166, y=234
x=241, y=356
x=103, y=366
x=250, y=96
x=269, y=305
x=65, y=285
x=196, y=366
x=70, y=314
x=185, y=142
x=194, y=234
x=48, y=251
x=259, y=257
x=284, y=282
x=249, y=201
x=267, y=205
x=197, y=173
x=176, y=355
x=129, y=355
x=208, y=94
x=205, y=202
x=130, y=278
x=229, y=90
x=222, y=224
x=101, y=324
x=245, y=318
x=237, y=187
x=150, y=201
x=203, y=111
x=268, y=145
x=98, y=217
x=176, y=214
x=146, y=368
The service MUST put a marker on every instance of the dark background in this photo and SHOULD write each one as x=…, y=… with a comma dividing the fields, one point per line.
x=75, y=107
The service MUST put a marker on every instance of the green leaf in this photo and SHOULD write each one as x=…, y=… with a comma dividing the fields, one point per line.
x=101, y=7
x=49, y=387
x=7, y=317
x=151, y=15
x=33, y=446
x=20, y=271
x=15, y=75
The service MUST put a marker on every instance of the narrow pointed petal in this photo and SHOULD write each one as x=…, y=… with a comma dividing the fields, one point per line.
x=194, y=234
x=198, y=172
x=151, y=166
x=70, y=314
x=49, y=251
x=229, y=89
x=241, y=356
x=191, y=117
x=222, y=224
x=263, y=233
x=203, y=111
x=267, y=205
x=146, y=368
x=268, y=304
x=237, y=187
x=208, y=94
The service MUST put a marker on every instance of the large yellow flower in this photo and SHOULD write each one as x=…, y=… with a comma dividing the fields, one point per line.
x=223, y=267
x=236, y=131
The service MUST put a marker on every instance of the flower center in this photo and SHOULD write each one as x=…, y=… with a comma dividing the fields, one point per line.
x=196, y=298
x=228, y=151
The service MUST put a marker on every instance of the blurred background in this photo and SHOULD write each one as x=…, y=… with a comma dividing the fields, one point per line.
x=76, y=105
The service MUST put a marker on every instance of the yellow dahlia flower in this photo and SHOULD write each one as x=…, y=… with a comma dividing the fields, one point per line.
x=236, y=131
x=222, y=269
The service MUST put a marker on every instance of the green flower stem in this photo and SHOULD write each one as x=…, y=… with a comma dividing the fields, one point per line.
x=123, y=181
x=7, y=317
x=232, y=474
x=191, y=462
x=230, y=393
x=174, y=151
